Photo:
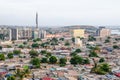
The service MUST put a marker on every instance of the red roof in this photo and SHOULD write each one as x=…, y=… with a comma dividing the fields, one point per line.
x=117, y=74
x=47, y=78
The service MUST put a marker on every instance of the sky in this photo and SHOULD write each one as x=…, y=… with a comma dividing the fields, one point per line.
x=60, y=12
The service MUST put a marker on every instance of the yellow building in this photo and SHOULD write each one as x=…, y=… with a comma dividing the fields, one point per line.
x=79, y=33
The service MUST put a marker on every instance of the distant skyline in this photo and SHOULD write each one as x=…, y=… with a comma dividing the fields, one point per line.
x=60, y=12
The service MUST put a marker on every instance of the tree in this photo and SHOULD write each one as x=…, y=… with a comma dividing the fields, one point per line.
x=25, y=42
x=43, y=45
x=35, y=40
x=0, y=47
x=67, y=43
x=115, y=46
x=54, y=39
x=102, y=60
x=73, y=54
x=76, y=60
x=38, y=39
x=35, y=45
x=8, y=46
x=2, y=57
x=16, y=52
x=62, y=61
x=91, y=38
x=44, y=60
x=21, y=73
x=78, y=50
x=52, y=60
x=11, y=78
x=86, y=61
x=33, y=53
x=62, y=39
x=73, y=39
x=105, y=67
x=10, y=55
x=101, y=69
x=93, y=54
x=48, y=54
x=21, y=46
x=35, y=62
x=43, y=52
x=107, y=41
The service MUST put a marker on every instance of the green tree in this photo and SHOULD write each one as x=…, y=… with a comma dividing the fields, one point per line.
x=43, y=45
x=54, y=39
x=73, y=54
x=86, y=61
x=102, y=60
x=8, y=46
x=35, y=45
x=48, y=54
x=76, y=60
x=43, y=52
x=21, y=46
x=10, y=55
x=35, y=62
x=93, y=54
x=38, y=39
x=2, y=57
x=62, y=61
x=52, y=60
x=11, y=78
x=91, y=38
x=62, y=39
x=115, y=46
x=33, y=53
x=21, y=73
x=25, y=42
x=73, y=39
x=103, y=69
x=67, y=43
x=44, y=60
x=0, y=47
x=107, y=41
x=78, y=50
x=16, y=52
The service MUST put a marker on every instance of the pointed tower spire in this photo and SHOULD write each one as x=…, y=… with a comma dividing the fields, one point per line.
x=36, y=20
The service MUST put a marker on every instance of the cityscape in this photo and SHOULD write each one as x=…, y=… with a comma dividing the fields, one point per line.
x=72, y=52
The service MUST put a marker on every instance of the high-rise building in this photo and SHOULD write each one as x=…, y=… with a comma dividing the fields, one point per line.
x=5, y=33
x=78, y=33
x=25, y=33
x=42, y=34
x=35, y=32
x=36, y=20
x=14, y=34
x=103, y=32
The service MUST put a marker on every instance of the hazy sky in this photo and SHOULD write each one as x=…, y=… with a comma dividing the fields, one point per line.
x=60, y=12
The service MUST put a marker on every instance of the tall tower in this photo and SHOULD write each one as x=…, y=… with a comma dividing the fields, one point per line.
x=36, y=20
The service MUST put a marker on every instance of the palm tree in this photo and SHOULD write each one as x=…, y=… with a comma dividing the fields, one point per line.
x=20, y=74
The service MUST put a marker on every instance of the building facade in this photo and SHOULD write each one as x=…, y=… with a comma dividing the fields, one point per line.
x=78, y=33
